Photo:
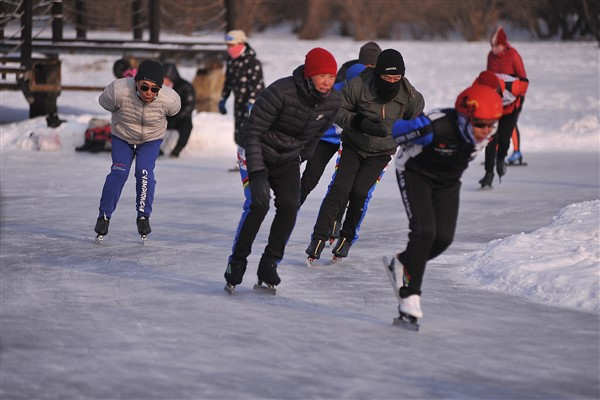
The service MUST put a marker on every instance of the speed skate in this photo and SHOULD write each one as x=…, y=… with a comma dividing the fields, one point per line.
x=404, y=320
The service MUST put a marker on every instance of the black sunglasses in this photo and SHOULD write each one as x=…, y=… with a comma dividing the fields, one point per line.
x=484, y=125
x=144, y=88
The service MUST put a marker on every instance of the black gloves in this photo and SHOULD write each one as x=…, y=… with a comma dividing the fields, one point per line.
x=222, y=108
x=372, y=127
x=260, y=190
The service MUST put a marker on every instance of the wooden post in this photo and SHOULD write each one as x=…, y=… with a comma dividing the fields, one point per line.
x=154, y=20
x=229, y=15
x=57, y=21
x=26, y=8
x=136, y=19
x=80, y=19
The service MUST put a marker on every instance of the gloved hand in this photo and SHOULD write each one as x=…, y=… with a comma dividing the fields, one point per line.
x=222, y=108
x=414, y=131
x=424, y=140
x=260, y=190
x=250, y=105
x=372, y=127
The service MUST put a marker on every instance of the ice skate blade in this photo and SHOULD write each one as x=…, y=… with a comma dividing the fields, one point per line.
x=265, y=288
x=336, y=260
x=390, y=270
x=486, y=188
x=229, y=288
x=309, y=262
x=99, y=239
x=517, y=164
x=407, y=322
x=144, y=238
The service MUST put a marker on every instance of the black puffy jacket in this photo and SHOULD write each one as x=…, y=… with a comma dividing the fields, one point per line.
x=286, y=122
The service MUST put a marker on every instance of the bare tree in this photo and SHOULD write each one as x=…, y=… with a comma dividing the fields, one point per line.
x=316, y=19
x=473, y=19
x=369, y=19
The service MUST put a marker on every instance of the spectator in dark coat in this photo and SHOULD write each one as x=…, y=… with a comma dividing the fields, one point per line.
x=243, y=76
x=182, y=121
x=286, y=122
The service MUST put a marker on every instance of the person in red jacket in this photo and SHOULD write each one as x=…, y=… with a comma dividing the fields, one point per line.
x=502, y=59
x=512, y=89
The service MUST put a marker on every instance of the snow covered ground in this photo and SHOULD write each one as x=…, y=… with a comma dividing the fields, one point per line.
x=511, y=309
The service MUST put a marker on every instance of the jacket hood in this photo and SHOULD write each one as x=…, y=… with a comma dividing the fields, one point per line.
x=171, y=72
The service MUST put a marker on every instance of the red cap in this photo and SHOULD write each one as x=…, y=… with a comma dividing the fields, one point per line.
x=319, y=61
x=499, y=37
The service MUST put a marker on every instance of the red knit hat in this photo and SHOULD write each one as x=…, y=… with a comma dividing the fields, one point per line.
x=488, y=78
x=499, y=37
x=319, y=61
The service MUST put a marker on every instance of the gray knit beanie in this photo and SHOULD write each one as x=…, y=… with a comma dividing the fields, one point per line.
x=368, y=53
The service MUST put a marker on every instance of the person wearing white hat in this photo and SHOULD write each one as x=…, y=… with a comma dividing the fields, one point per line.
x=243, y=77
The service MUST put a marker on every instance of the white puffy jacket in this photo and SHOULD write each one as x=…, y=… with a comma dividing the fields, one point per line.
x=133, y=120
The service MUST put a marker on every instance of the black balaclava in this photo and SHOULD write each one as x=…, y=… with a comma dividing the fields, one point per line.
x=389, y=62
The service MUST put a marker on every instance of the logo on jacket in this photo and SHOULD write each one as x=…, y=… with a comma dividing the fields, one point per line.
x=320, y=116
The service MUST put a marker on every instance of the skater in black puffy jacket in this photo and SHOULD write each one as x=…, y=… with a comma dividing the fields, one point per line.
x=435, y=149
x=286, y=122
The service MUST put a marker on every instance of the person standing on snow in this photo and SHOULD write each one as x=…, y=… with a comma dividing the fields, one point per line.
x=139, y=107
x=371, y=103
x=286, y=122
x=243, y=76
x=435, y=150
x=182, y=121
x=502, y=59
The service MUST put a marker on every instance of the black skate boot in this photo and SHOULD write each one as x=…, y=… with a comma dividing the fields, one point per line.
x=335, y=232
x=314, y=250
x=341, y=249
x=143, y=225
x=101, y=228
x=486, y=181
x=500, y=168
x=267, y=277
x=233, y=276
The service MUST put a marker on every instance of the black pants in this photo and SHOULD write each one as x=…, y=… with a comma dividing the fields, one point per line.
x=315, y=167
x=432, y=210
x=184, y=127
x=498, y=146
x=353, y=180
x=284, y=180
x=240, y=114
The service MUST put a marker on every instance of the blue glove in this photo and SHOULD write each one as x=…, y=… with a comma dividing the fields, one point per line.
x=250, y=105
x=416, y=131
x=222, y=108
